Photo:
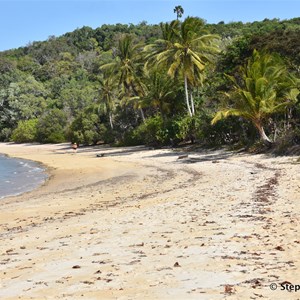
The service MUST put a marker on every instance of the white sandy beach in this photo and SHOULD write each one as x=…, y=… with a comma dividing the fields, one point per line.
x=143, y=224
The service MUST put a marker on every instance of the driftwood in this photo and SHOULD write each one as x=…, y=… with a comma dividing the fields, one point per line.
x=183, y=156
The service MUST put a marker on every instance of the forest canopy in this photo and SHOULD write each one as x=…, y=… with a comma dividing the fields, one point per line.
x=184, y=81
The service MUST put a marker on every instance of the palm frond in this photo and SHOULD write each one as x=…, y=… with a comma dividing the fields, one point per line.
x=264, y=90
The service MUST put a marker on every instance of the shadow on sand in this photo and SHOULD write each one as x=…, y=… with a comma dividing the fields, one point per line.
x=196, y=157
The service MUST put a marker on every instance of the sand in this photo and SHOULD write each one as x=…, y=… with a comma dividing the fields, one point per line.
x=144, y=224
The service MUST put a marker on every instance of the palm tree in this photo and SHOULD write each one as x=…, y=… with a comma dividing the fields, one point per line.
x=186, y=52
x=179, y=11
x=265, y=88
x=169, y=37
x=159, y=92
x=108, y=96
x=127, y=68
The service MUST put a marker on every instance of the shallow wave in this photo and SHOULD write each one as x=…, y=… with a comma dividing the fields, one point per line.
x=18, y=176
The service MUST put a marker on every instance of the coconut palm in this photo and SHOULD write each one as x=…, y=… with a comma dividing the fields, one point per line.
x=159, y=92
x=169, y=37
x=127, y=67
x=107, y=96
x=264, y=89
x=186, y=52
x=179, y=11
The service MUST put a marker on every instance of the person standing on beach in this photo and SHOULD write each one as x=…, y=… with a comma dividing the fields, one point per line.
x=74, y=147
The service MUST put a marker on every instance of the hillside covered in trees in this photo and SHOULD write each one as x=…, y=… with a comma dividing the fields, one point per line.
x=215, y=84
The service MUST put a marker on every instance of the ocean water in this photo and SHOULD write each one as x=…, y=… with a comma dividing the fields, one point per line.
x=18, y=176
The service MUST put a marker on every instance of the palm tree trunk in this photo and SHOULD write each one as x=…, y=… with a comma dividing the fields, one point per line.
x=263, y=135
x=192, y=104
x=110, y=121
x=142, y=115
x=187, y=96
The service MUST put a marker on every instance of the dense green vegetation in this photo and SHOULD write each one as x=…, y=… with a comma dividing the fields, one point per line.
x=216, y=84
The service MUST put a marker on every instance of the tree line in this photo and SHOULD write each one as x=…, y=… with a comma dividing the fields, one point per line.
x=181, y=81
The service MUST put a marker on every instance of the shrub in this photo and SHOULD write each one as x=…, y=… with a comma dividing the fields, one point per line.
x=25, y=131
x=286, y=142
x=130, y=138
x=5, y=134
x=86, y=129
x=155, y=132
x=51, y=127
x=230, y=131
x=187, y=128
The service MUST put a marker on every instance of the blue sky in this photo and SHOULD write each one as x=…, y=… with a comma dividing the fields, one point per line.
x=24, y=21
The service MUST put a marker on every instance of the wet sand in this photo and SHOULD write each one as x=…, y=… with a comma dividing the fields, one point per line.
x=152, y=224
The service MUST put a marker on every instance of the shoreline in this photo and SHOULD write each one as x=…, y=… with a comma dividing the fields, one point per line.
x=144, y=224
x=59, y=170
x=41, y=179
